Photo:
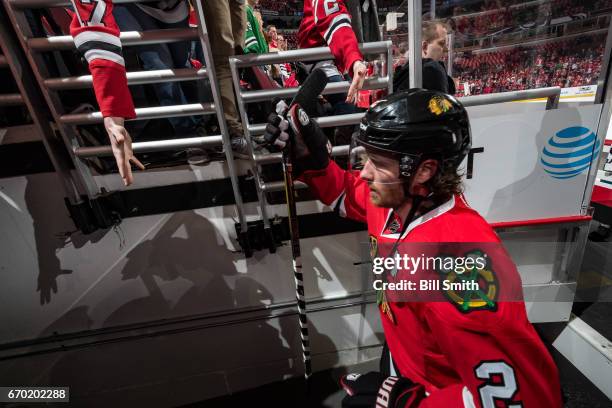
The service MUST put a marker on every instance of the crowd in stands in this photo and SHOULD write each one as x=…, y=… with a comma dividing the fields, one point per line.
x=290, y=38
x=514, y=17
x=281, y=8
x=602, y=6
x=566, y=63
x=449, y=8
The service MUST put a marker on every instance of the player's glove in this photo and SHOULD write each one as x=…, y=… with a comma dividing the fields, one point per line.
x=374, y=390
x=292, y=128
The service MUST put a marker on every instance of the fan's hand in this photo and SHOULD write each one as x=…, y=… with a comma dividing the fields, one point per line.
x=121, y=143
x=359, y=74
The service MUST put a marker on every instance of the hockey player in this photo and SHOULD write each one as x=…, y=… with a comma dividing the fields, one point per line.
x=451, y=352
x=328, y=23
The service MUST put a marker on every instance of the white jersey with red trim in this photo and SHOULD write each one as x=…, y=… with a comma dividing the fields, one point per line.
x=328, y=23
x=475, y=357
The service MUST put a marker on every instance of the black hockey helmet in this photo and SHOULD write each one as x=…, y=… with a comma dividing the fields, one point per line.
x=417, y=124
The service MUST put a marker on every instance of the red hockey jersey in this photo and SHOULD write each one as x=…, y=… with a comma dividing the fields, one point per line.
x=465, y=358
x=328, y=23
x=96, y=37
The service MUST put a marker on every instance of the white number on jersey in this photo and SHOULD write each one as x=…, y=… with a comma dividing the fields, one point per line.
x=502, y=391
x=97, y=13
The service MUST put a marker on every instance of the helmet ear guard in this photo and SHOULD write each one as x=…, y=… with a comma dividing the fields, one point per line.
x=407, y=165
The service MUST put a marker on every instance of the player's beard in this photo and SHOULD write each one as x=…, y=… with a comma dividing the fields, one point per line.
x=387, y=195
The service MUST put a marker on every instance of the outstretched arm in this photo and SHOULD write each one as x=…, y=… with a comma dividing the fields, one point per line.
x=96, y=37
x=333, y=23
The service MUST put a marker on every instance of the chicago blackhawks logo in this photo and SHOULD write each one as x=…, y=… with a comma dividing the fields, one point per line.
x=438, y=105
x=461, y=287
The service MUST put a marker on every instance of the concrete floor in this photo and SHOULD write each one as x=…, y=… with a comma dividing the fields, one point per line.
x=578, y=391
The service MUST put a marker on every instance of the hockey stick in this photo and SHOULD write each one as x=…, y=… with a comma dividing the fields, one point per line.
x=307, y=99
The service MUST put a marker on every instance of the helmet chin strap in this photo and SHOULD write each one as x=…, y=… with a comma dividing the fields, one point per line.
x=416, y=203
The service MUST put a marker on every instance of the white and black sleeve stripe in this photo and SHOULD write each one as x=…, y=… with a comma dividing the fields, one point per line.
x=341, y=20
x=98, y=45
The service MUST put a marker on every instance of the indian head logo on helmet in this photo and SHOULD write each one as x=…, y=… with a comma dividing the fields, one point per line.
x=439, y=105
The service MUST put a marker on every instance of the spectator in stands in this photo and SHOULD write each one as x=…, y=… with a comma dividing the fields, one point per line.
x=434, y=49
x=226, y=23
x=255, y=41
x=567, y=63
x=272, y=38
x=285, y=68
x=140, y=17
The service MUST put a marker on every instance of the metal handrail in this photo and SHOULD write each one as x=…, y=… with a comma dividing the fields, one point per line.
x=128, y=38
x=324, y=122
x=153, y=146
x=331, y=88
x=341, y=120
x=11, y=99
x=511, y=96
x=307, y=54
x=272, y=186
x=488, y=99
x=277, y=157
x=156, y=112
x=133, y=78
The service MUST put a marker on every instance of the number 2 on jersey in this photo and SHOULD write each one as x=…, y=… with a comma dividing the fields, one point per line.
x=503, y=390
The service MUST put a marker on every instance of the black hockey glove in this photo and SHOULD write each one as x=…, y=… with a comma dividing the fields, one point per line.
x=292, y=127
x=375, y=390
x=276, y=136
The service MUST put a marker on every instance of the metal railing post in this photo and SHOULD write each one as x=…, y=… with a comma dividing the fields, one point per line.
x=229, y=154
x=254, y=166
x=415, y=70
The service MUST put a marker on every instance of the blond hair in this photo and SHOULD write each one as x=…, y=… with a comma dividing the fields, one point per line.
x=430, y=30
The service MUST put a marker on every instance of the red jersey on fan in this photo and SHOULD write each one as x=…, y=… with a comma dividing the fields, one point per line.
x=96, y=37
x=464, y=358
x=328, y=23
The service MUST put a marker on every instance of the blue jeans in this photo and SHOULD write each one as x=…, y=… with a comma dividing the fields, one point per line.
x=160, y=56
